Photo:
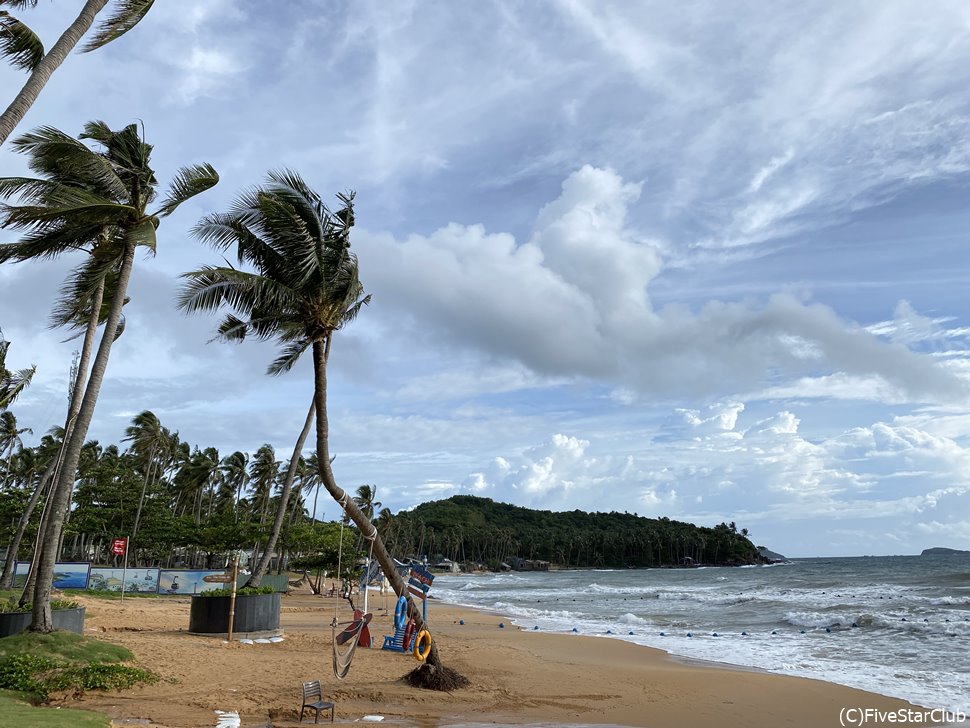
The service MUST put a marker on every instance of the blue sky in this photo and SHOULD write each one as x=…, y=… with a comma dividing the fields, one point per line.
x=677, y=260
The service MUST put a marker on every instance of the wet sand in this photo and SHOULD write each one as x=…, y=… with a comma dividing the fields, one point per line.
x=516, y=676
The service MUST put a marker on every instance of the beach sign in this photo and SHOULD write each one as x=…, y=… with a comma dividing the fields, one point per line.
x=119, y=546
x=420, y=581
x=217, y=578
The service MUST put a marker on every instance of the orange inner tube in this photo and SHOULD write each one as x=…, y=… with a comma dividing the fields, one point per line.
x=422, y=645
x=408, y=634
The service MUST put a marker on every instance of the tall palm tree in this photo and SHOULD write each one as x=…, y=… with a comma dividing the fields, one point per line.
x=303, y=289
x=85, y=194
x=264, y=471
x=234, y=468
x=313, y=480
x=25, y=50
x=148, y=440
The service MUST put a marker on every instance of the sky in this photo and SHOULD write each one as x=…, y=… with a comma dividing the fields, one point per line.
x=682, y=260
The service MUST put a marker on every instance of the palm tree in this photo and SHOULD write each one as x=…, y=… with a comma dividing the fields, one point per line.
x=85, y=195
x=235, y=475
x=148, y=440
x=264, y=470
x=46, y=452
x=366, y=501
x=25, y=50
x=12, y=384
x=304, y=288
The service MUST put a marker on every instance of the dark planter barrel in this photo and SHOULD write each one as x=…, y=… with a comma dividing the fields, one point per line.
x=70, y=620
x=254, y=613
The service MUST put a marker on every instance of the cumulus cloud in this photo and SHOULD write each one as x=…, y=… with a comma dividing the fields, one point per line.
x=768, y=476
x=572, y=300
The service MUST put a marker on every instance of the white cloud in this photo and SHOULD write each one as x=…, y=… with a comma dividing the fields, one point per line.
x=573, y=301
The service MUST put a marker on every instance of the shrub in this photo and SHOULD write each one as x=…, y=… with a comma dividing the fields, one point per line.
x=10, y=606
x=41, y=676
x=17, y=672
x=246, y=591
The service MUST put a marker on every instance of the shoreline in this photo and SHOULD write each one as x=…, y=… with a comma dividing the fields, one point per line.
x=518, y=676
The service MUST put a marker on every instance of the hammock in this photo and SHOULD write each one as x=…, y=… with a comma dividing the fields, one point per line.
x=351, y=636
x=352, y=633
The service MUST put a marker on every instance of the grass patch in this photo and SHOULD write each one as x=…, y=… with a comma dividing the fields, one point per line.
x=113, y=595
x=40, y=664
x=17, y=710
x=63, y=646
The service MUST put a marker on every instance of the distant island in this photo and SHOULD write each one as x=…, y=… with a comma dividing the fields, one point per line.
x=940, y=551
x=772, y=557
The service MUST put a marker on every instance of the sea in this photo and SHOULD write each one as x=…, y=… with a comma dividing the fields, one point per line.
x=894, y=625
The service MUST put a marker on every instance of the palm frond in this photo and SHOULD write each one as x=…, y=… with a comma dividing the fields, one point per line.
x=64, y=159
x=143, y=234
x=126, y=17
x=20, y=4
x=73, y=308
x=189, y=182
x=19, y=43
x=27, y=189
x=98, y=131
x=49, y=242
x=289, y=356
x=232, y=328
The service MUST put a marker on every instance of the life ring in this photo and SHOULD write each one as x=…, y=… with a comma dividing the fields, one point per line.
x=423, y=638
x=408, y=634
x=400, y=613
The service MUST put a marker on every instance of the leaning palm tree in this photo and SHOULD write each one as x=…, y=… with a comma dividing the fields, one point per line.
x=46, y=453
x=83, y=195
x=304, y=287
x=25, y=50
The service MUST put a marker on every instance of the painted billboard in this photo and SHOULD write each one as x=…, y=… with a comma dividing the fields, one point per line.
x=187, y=581
x=104, y=578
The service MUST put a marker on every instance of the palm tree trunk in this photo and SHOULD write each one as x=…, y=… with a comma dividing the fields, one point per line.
x=144, y=487
x=64, y=484
x=321, y=353
x=52, y=59
x=274, y=534
x=8, y=568
x=77, y=391
x=316, y=494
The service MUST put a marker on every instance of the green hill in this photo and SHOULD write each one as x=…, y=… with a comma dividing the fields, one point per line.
x=467, y=528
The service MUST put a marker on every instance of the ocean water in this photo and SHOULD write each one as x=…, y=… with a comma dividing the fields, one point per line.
x=897, y=626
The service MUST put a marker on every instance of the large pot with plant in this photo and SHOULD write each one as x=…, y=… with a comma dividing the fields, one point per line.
x=257, y=609
x=67, y=615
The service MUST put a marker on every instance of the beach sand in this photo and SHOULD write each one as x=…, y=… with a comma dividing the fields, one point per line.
x=516, y=676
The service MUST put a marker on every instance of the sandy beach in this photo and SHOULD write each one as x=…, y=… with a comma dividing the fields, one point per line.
x=516, y=676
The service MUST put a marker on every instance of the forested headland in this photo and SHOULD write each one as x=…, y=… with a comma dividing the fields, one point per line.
x=467, y=528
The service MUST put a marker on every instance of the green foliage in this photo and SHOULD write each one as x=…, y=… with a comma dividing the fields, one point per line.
x=11, y=606
x=468, y=528
x=246, y=591
x=41, y=676
x=321, y=544
x=23, y=673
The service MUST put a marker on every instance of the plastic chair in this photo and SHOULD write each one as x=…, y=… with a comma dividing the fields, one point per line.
x=313, y=699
